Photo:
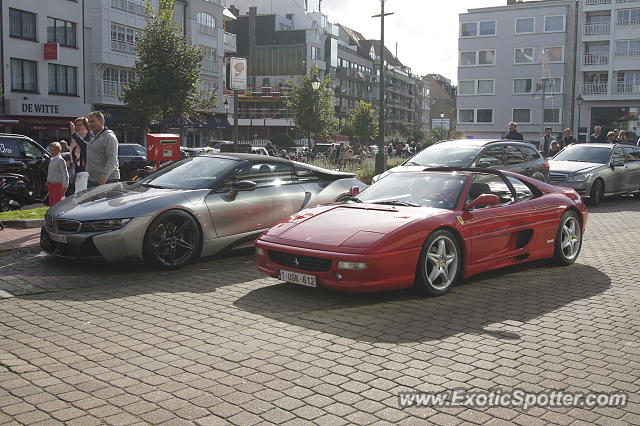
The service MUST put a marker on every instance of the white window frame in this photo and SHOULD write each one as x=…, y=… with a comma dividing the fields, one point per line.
x=475, y=116
x=513, y=87
x=475, y=64
x=466, y=23
x=559, y=116
x=477, y=32
x=515, y=25
x=128, y=34
x=561, y=86
x=521, y=121
x=495, y=58
x=485, y=122
x=204, y=20
x=533, y=56
x=475, y=87
x=473, y=120
x=561, y=61
x=564, y=24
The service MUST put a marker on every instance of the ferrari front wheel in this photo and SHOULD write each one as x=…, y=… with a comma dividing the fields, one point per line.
x=440, y=263
x=568, y=239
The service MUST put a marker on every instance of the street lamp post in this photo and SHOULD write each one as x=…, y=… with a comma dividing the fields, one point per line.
x=579, y=101
x=380, y=155
x=315, y=85
x=226, y=106
x=442, y=125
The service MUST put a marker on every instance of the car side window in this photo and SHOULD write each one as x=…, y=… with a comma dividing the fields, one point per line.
x=632, y=154
x=514, y=155
x=618, y=155
x=489, y=184
x=492, y=157
x=523, y=192
x=31, y=150
x=530, y=154
x=265, y=174
x=9, y=148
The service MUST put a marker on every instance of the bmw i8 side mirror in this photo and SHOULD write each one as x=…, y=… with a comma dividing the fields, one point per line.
x=245, y=185
x=484, y=200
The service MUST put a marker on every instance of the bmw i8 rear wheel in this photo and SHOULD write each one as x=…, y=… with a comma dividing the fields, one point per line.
x=172, y=240
x=440, y=263
x=568, y=239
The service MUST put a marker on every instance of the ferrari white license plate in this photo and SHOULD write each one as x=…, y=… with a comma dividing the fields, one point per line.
x=298, y=278
x=58, y=238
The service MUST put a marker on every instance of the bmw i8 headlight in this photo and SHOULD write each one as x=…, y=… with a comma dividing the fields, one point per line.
x=104, y=225
x=579, y=177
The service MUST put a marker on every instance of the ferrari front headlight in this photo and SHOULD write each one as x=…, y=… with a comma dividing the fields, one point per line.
x=103, y=225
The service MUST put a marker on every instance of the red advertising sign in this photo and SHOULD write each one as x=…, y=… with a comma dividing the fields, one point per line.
x=51, y=51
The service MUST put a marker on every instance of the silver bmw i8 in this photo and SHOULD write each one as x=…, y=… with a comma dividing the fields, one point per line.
x=196, y=207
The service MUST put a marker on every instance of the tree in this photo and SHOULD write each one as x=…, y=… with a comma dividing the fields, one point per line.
x=312, y=110
x=362, y=124
x=283, y=140
x=167, y=72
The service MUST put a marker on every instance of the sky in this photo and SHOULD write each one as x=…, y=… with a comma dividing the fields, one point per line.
x=426, y=30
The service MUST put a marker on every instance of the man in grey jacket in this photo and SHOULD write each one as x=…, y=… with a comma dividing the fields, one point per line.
x=102, y=153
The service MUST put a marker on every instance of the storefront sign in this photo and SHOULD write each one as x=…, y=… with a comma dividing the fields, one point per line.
x=238, y=73
x=41, y=108
x=51, y=51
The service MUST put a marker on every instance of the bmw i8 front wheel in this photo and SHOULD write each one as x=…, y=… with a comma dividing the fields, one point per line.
x=172, y=240
x=440, y=263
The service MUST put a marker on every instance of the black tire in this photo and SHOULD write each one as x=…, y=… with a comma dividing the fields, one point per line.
x=568, y=239
x=433, y=275
x=597, y=192
x=172, y=240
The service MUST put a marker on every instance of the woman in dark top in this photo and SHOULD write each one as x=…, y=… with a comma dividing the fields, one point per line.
x=81, y=138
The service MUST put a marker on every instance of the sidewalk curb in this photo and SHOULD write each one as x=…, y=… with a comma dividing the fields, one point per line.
x=23, y=223
x=21, y=250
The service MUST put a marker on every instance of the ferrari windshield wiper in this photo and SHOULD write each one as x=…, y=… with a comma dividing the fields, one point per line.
x=397, y=203
x=148, y=185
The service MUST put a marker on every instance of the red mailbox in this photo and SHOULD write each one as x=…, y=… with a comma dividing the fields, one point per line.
x=163, y=147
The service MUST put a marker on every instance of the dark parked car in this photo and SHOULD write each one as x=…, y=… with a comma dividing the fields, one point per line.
x=131, y=157
x=595, y=170
x=517, y=157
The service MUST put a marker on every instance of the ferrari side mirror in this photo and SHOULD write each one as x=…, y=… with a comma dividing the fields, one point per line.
x=484, y=200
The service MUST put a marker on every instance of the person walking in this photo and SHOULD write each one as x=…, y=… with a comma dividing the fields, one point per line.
x=597, y=135
x=81, y=136
x=102, y=153
x=567, y=139
x=57, y=175
x=513, y=133
x=545, y=142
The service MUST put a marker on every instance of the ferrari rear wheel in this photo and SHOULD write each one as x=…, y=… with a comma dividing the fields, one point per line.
x=568, y=239
x=440, y=263
x=172, y=240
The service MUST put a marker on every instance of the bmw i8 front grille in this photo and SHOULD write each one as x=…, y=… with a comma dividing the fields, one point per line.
x=305, y=263
x=71, y=226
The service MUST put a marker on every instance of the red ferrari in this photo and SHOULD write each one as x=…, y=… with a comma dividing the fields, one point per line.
x=428, y=228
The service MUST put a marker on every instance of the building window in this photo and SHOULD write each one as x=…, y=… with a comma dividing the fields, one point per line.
x=315, y=52
x=466, y=87
x=553, y=85
x=123, y=38
x=63, y=80
x=114, y=80
x=522, y=85
x=480, y=115
x=131, y=6
x=523, y=55
x=466, y=115
x=467, y=58
x=22, y=24
x=522, y=115
x=475, y=29
x=552, y=115
x=487, y=28
x=628, y=48
x=468, y=29
x=209, y=62
x=484, y=116
x=63, y=32
x=206, y=23
x=475, y=87
x=555, y=54
x=629, y=17
x=486, y=57
x=485, y=87
x=24, y=75
x=553, y=24
x=525, y=25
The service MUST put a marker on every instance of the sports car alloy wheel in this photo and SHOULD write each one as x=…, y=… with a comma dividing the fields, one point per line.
x=597, y=193
x=172, y=240
x=439, y=263
x=568, y=239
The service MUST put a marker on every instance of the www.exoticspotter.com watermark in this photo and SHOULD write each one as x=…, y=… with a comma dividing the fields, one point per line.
x=517, y=398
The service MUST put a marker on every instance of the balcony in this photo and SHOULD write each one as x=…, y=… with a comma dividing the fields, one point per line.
x=121, y=46
x=596, y=29
x=594, y=88
x=596, y=2
x=595, y=59
x=630, y=21
x=628, y=53
x=109, y=89
x=209, y=67
x=627, y=1
x=229, y=42
x=632, y=88
x=207, y=30
x=131, y=6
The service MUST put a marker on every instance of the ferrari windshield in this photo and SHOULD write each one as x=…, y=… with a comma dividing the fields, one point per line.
x=445, y=154
x=584, y=154
x=441, y=190
x=191, y=173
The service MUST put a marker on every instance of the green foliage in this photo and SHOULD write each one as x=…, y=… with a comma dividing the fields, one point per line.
x=362, y=124
x=365, y=169
x=312, y=110
x=167, y=72
x=283, y=140
x=37, y=213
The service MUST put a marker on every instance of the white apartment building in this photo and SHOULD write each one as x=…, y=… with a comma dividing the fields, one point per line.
x=609, y=65
x=90, y=57
x=41, y=93
x=504, y=52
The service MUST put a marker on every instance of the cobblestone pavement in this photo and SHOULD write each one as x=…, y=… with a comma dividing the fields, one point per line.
x=217, y=343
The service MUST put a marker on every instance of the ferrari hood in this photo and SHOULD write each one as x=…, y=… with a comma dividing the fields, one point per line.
x=346, y=225
x=572, y=166
x=120, y=200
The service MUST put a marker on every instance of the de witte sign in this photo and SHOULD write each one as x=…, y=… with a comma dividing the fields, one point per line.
x=47, y=109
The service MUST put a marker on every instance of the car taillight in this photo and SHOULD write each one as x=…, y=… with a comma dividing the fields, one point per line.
x=546, y=164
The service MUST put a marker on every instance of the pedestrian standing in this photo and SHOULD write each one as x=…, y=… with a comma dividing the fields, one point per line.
x=102, y=153
x=597, y=135
x=622, y=137
x=567, y=139
x=611, y=137
x=81, y=137
x=513, y=133
x=545, y=142
x=554, y=148
x=57, y=175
